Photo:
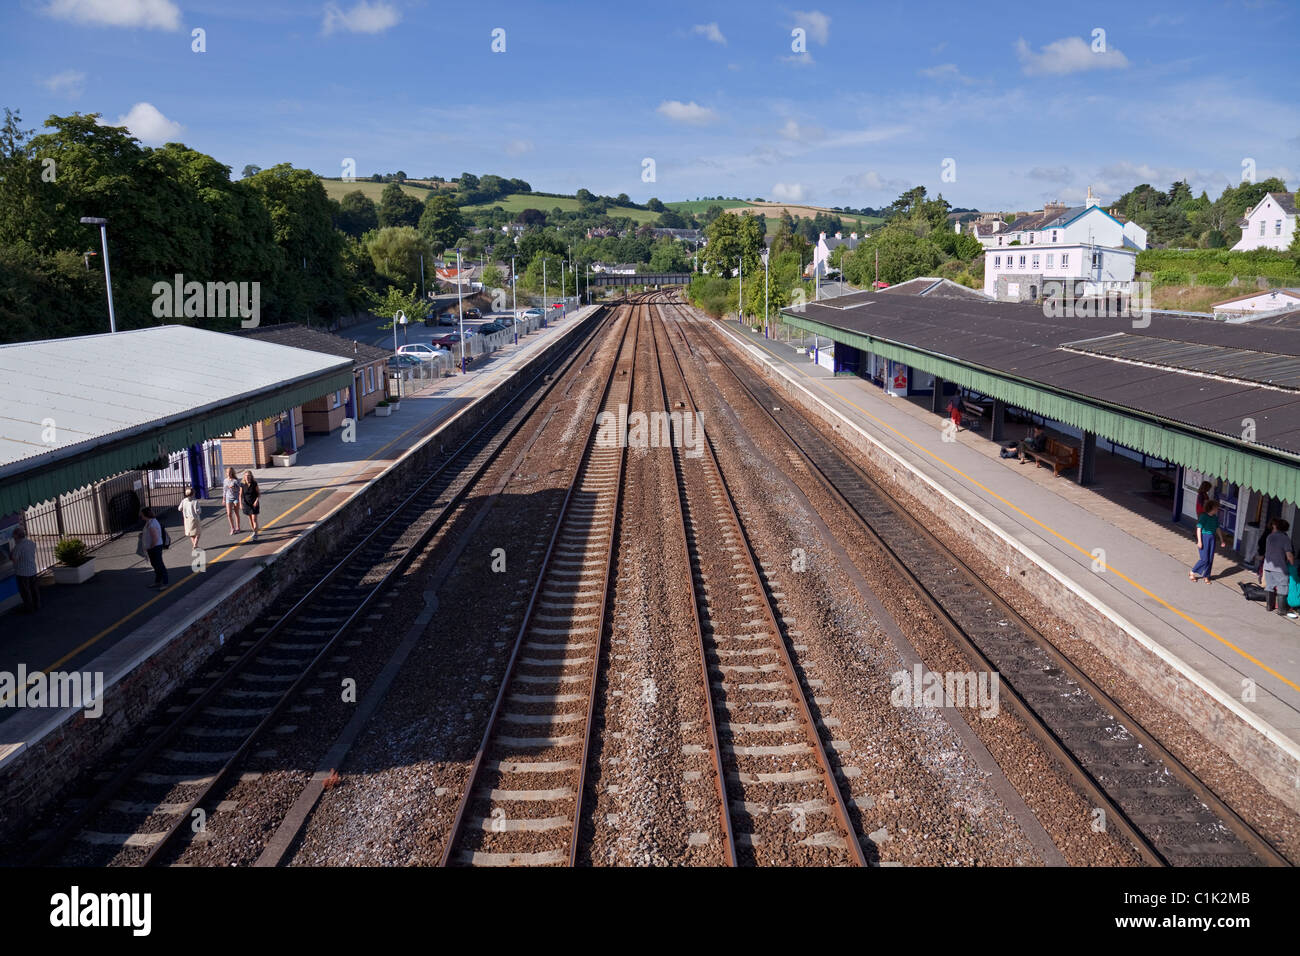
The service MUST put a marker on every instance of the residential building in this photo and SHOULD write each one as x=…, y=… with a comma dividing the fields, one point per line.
x=1058, y=224
x=1259, y=302
x=1021, y=273
x=1270, y=224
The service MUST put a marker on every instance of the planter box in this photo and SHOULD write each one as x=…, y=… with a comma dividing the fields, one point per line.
x=78, y=575
x=284, y=461
x=394, y=405
x=383, y=411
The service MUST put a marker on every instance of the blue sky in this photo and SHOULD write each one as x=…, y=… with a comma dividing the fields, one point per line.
x=1023, y=105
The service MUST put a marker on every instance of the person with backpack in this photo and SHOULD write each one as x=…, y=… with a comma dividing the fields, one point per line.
x=153, y=539
x=1279, y=556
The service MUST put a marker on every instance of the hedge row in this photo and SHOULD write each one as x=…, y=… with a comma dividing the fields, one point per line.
x=1262, y=262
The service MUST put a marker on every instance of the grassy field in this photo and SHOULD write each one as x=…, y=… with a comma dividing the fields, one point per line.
x=1189, y=298
x=336, y=189
x=518, y=202
x=696, y=206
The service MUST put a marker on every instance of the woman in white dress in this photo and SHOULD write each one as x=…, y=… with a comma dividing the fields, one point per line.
x=192, y=512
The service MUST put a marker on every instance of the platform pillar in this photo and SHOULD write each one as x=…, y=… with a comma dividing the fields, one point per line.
x=936, y=399
x=998, y=427
x=1087, y=458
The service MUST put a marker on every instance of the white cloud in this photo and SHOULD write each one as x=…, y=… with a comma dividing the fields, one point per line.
x=793, y=131
x=945, y=71
x=517, y=147
x=68, y=83
x=150, y=14
x=816, y=23
x=364, y=17
x=710, y=32
x=692, y=112
x=1067, y=55
x=788, y=192
x=874, y=181
x=149, y=126
x=1051, y=174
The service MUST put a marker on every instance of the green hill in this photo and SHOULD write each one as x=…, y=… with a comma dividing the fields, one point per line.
x=337, y=189
x=518, y=202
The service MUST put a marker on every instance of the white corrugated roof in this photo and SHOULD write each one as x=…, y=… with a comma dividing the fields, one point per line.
x=94, y=386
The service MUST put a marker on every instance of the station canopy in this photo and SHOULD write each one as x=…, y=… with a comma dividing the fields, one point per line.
x=78, y=410
x=1221, y=399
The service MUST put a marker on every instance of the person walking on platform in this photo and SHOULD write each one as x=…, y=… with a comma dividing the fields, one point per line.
x=192, y=512
x=954, y=412
x=1279, y=556
x=154, y=542
x=1202, y=496
x=22, y=551
x=251, y=495
x=230, y=495
x=1207, y=536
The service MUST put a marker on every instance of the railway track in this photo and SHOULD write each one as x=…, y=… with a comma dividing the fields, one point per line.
x=522, y=803
x=779, y=793
x=1169, y=815
x=158, y=793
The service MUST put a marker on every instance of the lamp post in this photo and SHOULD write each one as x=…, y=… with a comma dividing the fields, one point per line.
x=544, y=296
x=766, y=286
x=108, y=278
x=514, y=300
x=422, y=292
x=564, y=291
x=398, y=319
x=740, y=297
x=460, y=309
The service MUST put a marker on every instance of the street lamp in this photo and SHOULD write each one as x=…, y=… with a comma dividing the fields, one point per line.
x=740, y=298
x=564, y=290
x=423, y=294
x=514, y=300
x=108, y=278
x=399, y=319
x=544, y=296
x=460, y=308
x=766, y=285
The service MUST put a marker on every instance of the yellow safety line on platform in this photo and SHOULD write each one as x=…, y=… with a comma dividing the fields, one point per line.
x=1109, y=567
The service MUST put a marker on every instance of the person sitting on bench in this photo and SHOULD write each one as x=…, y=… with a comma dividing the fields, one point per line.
x=1036, y=442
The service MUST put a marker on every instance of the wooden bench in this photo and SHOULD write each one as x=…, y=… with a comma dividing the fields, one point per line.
x=975, y=412
x=1058, y=454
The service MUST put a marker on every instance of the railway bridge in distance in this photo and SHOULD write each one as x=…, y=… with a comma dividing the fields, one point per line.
x=653, y=279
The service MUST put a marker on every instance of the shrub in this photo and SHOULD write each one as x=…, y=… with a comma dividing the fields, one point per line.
x=1169, y=277
x=1216, y=279
x=71, y=552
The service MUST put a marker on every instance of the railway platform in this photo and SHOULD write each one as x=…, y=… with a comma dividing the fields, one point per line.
x=112, y=622
x=1221, y=647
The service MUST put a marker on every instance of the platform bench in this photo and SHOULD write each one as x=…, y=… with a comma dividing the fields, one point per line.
x=975, y=412
x=1058, y=455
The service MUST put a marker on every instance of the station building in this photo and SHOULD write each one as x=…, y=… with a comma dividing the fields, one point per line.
x=1176, y=400
x=98, y=426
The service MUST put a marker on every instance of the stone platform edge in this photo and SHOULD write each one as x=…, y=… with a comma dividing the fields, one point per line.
x=1264, y=751
x=54, y=748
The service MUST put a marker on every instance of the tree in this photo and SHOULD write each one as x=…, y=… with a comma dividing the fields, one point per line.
x=396, y=208
x=394, y=300
x=441, y=224
x=532, y=217
x=732, y=235
x=493, y=277
x=671, y=219
x=357, y=214
x=250, y=171
x=903, y=255
x=667, y=255
x=395, y=252
x=654, y=205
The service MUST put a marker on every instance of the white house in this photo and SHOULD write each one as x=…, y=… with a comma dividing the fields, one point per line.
x=1270, y=225
x=1019, y=273
x=1258, y=302
x=1058, y=224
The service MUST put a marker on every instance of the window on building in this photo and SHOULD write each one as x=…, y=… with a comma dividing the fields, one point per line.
x=1053, y=235
x=1096, y=260
x=1035, y=263
x=1051, y=257
x=997, y=261
x=999, y=240
x=1261, y=227
x=1022, y=262
x=370, y=379
x=336, y=402
x=1277, y=228
x=1031, y=237
x=1065, y=260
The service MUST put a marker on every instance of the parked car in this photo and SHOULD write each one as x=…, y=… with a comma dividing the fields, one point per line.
x=474, y=314
x=447, y=340
x=402, y=362
x=424, y=353
x=531, y=314
x=488, y=328
x=445, y=317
